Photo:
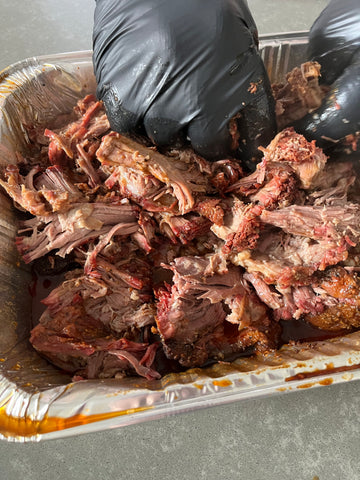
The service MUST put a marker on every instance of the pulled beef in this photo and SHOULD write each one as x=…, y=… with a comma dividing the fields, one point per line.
x=281, y=188
x=290, y=162
x=155, y=181
x=283, y=269
x=93, y=323
x=305, y=158
x=335, y=185
x=80, y=344
x=299, y=95
x=289, y=303
x=212, y=209
x=90, y=125
x=183, y=227
x=84, y=222
x=340, y=224
x=162, y=183
x=179, y=257
x=241, y=226
x=193, y=312
x=41, y=193
x=119, y=294
x=272, y=185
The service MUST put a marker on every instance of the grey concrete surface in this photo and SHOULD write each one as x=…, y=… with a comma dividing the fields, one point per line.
x=301, y=436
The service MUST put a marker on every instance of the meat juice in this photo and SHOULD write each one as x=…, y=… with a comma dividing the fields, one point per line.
x=301, y=331
x=27, y=427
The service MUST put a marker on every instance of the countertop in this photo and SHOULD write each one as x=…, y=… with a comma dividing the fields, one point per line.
x=302, y=436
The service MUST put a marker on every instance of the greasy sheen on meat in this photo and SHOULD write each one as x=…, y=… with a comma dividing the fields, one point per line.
x=174, y=257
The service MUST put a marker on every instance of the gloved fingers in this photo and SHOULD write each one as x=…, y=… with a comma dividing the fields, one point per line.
x=339, y=114
x=165, y=120
x=334, y=36
x=246, y=17
x=210, y=140
x=164, y=132
x=121, y=120
x=232, y=126
x=257, y=127
x=177, y=68
x=241, y=136
x=237, y=115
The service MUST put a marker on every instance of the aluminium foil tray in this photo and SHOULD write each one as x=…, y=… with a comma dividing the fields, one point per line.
x=38, y=401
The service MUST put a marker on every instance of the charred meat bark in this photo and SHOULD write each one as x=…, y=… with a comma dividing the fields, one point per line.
x=193, y=313
x=80, y=344
x=344, y=314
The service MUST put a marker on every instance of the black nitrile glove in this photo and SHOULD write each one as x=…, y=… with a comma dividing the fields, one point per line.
x=179, y=69
x=335, y=43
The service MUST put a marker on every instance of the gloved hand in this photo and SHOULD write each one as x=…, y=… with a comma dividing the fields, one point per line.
x=334, y=42
x=181, y=69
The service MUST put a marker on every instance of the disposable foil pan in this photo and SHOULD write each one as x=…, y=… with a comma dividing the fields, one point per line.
x=38, y=401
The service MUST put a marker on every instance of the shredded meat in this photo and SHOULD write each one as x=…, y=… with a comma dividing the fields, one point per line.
x=172, y=256
x=173, y=177
x=66, y=231
x=80, y=344
x=192, y=314
x=305, y=158
x=300, y=94
x=119, y=294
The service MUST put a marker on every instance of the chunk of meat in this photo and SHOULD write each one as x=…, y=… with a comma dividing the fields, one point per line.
x=299, y=95
x=91, y=122
x=344, y=314
x=212, y=209
x=117, y=294
x=304, y=157
x=241, y=226
x=84, y=222
x=340, y=224
x=182, y=227
x=272, y=185
x=192, y=314
x=82, y=345
x=41, y=193
x=286, y=260
x=180, y=178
